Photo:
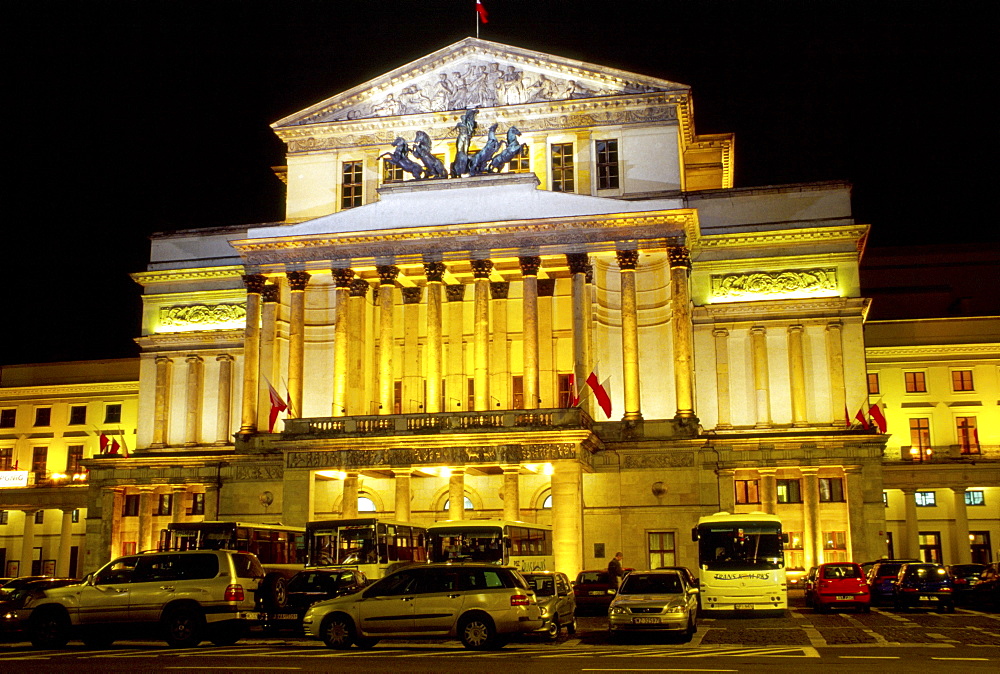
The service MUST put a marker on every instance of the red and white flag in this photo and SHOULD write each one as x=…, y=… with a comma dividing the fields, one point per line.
x=114, y=447
x=277, y=405
x=481, y=11
x=103, y=443
x=574, y=394
x=860, y=416
x=600, y=392
x=878, y=417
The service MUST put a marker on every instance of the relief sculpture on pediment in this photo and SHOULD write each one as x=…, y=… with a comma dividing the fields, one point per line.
x=792, y=281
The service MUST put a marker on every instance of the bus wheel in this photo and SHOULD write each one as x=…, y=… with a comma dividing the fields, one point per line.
x=274, y=592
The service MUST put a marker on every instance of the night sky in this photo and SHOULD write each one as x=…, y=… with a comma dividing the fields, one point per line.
x=126, y=118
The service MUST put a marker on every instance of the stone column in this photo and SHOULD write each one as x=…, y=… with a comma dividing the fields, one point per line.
x=360, y=351
x=727, y=490
x=683, y=329
x=66, y=543
x=146, y=498
x=195, y=386
x=512, y=493
x=111, y=527
x=961, y=550
x=349, y=502
x=412, y=401
x=386, y=338
x=835, y=356
x=251, y=352
x=268, y=354
x=456, y=391
x=797, y=376
x=212, y=503
x=342, y=279
x=161, y=401
x=908, y=547
x=567, y=517
x=722, y=378
x=627, y=260
x=297, y=282
x=224, y=414
x=529, y=327
x=435, y=363
x=456, y=494
x=298, y=487
x=579, y=265
x=768, y=489
x=547, y=362
x=761, y=376
x=402, y=481
x=27, y=543
x=811, y=534
x=499, y=364
x=858, y=539
x=178, y=504
x=481, y=332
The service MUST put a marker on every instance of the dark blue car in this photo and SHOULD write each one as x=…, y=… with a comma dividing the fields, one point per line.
x=882, y=579
x=924, y=584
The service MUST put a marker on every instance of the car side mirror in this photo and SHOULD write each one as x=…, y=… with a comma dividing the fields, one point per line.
x=692, y=590
x=88, y=579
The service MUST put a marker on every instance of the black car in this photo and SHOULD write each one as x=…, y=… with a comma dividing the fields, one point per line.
x=12, y=623
x=310, y=586
x=987, y=590
x=882, y=578
x=924, y=584
x=966, y=577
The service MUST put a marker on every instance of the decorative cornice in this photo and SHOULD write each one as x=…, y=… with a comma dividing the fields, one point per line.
x=782, y=236
x=205, y=339
x=70, y=390
x=986, y=350
x=176, y=275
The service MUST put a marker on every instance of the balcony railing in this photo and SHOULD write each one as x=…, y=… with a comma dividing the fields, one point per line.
x=943, y=454
x=444, y=422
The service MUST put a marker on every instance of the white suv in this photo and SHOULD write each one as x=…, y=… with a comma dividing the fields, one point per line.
x=481, y=604
x=182, y=596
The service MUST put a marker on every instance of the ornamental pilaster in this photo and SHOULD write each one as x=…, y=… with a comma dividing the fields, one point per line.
x=529, y=320
x=251, y=352
x=435, y=366
x=579, y=264
x=297, y=281
x=481, y=332
x=627, y=261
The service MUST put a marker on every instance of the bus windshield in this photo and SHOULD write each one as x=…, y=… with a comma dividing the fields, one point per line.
x=740, y=546
x=479, y=544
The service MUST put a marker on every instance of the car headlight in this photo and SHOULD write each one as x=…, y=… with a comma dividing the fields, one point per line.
x=618, y=610
x=676, y=608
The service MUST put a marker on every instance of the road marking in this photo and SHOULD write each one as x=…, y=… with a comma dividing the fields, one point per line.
x=980, y=659
x=632, y=669
x=868, y=657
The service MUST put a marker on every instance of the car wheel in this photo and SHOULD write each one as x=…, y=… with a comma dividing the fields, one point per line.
x=95, y=638
x=227, y=635
x=274, y=592
x=571, y=626
x=337, y=631
x=552, y=629
x=184, y=627
x=366, y=642
x=477, y=633
x=50, y=629
x=688, y=633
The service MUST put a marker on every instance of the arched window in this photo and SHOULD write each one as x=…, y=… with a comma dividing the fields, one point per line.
x=547, y=503
x=366, y=505
x=468, y=504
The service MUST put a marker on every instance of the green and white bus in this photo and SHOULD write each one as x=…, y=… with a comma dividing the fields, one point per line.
x=525, y=546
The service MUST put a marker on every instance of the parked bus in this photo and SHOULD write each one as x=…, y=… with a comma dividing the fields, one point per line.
x=280, y=549
x=371, y=545
x=741, y=564
x=527, y=547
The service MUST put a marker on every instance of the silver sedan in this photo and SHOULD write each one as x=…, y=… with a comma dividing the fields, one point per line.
x=660, y=600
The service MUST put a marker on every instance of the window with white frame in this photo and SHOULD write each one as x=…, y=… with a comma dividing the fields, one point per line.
x=925, y=498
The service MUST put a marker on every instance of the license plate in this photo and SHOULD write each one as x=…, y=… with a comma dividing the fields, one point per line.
x=646, y=621
x=925, y=597
x=845, y=597
x=596, y=593
x=283, y=616
x=744, y=607
x=247, y=615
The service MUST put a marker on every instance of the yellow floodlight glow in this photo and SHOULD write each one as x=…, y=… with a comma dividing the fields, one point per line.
x=444, y=471
x=548, y=469
x=332, y=474
x=761, y=297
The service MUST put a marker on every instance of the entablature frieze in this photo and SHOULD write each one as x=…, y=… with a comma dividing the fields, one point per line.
x=806, y=310
x=147, y=278
x=941, y=475
x=888, y=354
x=39, y=498
x=454, y=456
x=104, y=389
x=228, y=340
x=795, y=453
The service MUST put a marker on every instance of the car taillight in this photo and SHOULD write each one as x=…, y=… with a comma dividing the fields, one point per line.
x=946, y=589
x=910, y=589
x=960, y=581
x=234, y=593
x=519, y=600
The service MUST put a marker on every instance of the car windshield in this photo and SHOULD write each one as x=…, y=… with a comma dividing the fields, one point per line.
x=845, y=571
x=587, y=577
x=651, y=583
x=544, y=586
x=887, y=570
x=926, y=572
x=966, y=570
x=740, y=546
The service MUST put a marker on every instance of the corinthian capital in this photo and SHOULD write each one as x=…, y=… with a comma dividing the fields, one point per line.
x=434, y=272
x=679, y=256
x=530, y=265
x=481, y=268
x=343, y=277
x=579, y=263
x=627, y=259
x=297, y=280
x=254, y=283
x=387, y=274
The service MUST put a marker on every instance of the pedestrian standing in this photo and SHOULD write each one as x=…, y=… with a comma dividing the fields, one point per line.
x=615, y=572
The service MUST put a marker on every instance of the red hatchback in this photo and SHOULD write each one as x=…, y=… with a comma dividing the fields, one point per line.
x=839, y=584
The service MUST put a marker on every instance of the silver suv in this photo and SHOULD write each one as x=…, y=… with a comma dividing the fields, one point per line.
x=182, y=596
x=483, y=605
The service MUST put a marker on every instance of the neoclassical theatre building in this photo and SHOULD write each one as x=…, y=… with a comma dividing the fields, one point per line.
x=432, y=334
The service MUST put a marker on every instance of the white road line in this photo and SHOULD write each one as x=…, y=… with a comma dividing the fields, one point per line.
x=979, y=659
x=868, y=657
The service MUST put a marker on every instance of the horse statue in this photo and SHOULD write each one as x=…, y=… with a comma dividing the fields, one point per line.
x=480, y=162
x=433, y=167
x=400, y=157
x=466, y=128
x=511, y=150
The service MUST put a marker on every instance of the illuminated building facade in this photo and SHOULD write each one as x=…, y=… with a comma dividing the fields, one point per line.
x=430, y=335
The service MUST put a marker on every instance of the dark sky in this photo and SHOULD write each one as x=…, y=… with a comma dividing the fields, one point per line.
x=126, y=118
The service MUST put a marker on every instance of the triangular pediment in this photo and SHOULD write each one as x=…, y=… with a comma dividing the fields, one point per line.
x=475, y=73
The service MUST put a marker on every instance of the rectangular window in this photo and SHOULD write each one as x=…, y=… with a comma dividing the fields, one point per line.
x=968, y=434
x=607, y=164
x=130, y=505
x=747, y=491
x=397, y=396
x=76, y=516
x=8, y=417
x=562, y=167
x=73, y=455
x=39, y=517
x=835, y=546
x=351, y=185
x=470, y=394
x=521, y=163
x=873, y=386
x=788, y=491
x=43, y=416
x=197, y=504
x=930, y=546
x=4, y=515
x=974, y=497
x=517, y=392
x=925, y=498
x=565, y=390
x=164, y=504
x=661, y=549
x=916, y=382
x=885, y=499
x=6, y=458
x=77, y=415
x=39, y=459
x=961, y=380
x=920, y=433
x=391, y=173
x=831, y=489
x=113, y=413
